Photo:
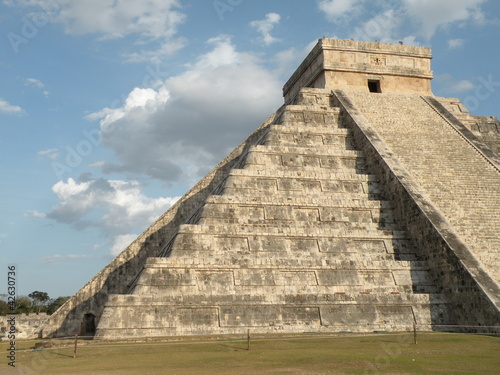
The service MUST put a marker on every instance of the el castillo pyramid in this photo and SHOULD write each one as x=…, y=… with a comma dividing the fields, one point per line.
x=364, y=203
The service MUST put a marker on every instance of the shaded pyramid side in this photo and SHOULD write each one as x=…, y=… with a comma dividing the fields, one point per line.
x=297, y=238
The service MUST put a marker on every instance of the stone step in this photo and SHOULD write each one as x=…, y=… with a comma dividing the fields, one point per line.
x=322, y=174
x=324, y=187
x=317, y=183
x=304, y=157
x=292, y=252
x=356, y=259
x=394, y=314
x=333, y=200
x=315, y=230
x=285, y=136
x=345, y=298
x=314, y=116
x=293, y=128
x=293, y=259
x=324, y=150
x=375, y=278
x=355, y=217
x=217, y=292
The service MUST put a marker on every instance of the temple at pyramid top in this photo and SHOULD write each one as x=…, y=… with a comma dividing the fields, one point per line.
x=369, y=66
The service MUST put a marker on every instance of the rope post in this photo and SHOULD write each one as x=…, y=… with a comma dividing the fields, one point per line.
x=76, y=343
x=414, y=333
x=248, y=339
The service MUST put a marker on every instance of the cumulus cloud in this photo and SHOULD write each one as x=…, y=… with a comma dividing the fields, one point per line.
x=265, y=26
x=387, y=19
x=9, y=109
x=166, y=49
x=336, y=9
x=120, y=205
x=183, y=128
x=449, y=85
x=432, y=14
x=383, y=27
x=152, y=20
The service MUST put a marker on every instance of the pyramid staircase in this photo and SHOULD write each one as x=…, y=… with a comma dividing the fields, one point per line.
x=298, y=238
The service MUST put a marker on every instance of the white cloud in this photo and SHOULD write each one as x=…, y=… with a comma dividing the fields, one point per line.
x=59, y=258
x=187, y=125
x=384, y=28
x=166, y=49
x=336, y=9
x=151, y=20
x=455, y=43
x=52, y=153
x=449, y=85
x=9, y=109
x=98, y=164
x=116, y=19
x=35, y=214
x=432, y=14
x=34, y=82
x=265, y=26
x=115, y=207
x=121, y=242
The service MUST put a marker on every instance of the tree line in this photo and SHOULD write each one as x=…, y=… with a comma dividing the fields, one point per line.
x=36, y=302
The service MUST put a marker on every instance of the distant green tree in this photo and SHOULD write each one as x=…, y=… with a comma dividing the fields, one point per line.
x=23, y=305
x=54, y=304
x=4, y=308
x=38, y=300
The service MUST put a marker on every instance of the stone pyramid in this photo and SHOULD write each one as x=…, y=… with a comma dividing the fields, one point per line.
x=363, y=204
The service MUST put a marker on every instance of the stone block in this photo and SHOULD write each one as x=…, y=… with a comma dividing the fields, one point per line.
x=346, y=245
x=366, y=315
x=254, y=277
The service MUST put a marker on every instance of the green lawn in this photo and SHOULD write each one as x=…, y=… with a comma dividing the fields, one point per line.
x=435, y=353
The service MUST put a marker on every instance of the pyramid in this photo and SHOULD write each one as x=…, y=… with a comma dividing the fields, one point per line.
x=365, y=203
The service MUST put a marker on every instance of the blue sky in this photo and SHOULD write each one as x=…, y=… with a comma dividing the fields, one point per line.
x=110, y=110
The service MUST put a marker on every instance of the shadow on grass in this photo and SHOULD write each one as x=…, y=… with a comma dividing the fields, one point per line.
x=234, y=346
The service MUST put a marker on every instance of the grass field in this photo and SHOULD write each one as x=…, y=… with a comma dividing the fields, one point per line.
x=435, y=353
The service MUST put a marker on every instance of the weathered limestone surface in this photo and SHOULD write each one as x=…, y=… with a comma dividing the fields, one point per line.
x=348, y=63
x=363, y=204
x=473, y=294
x=298, y=239
x=486, y=128
x=457, y=179
x=27, y=325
